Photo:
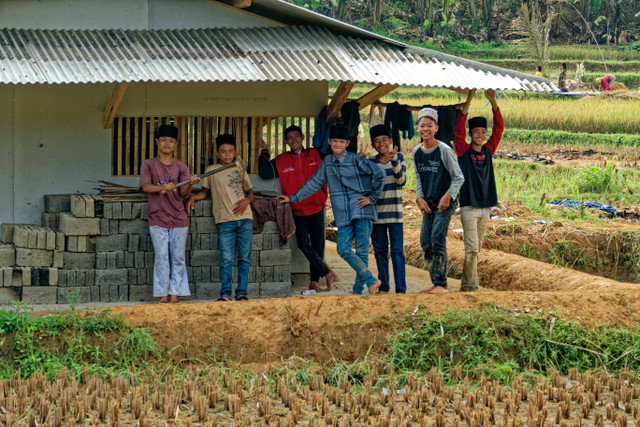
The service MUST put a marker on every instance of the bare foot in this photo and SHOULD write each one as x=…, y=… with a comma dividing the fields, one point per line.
x=330, y=278
x=437, y=290
x=314, y=285
x=174, y=298
x=382, y=293
x=164, y=299
x=373, y=289
x=427, y=291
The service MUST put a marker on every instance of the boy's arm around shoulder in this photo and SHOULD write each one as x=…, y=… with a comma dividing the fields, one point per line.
x=377, y=176
x=399, y=168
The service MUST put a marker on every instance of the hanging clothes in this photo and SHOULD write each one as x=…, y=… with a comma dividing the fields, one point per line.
x=349, y=117
x=399, y=119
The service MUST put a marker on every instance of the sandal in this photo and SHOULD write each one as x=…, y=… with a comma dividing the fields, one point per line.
x=224, y=298
x=164, y=300
x=242, y=298
x=173, y=299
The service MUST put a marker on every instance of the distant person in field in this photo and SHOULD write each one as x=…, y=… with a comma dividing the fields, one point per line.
x=294, y=168
x=387, y=229
x=168, y=221
x=539, y=70
x=606, y=82
x=562, y=78
x=478, y=193
x=438, y=182
x=355, y=184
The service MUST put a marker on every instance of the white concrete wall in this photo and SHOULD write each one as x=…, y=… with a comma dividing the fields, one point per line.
x=52, y=140
x=124, y=14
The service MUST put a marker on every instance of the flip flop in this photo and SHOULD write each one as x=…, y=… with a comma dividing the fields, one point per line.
x=224, y=299
x=242, y=298
x=164, y=300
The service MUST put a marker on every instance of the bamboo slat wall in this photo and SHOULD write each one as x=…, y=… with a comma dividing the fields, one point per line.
x=133, y=139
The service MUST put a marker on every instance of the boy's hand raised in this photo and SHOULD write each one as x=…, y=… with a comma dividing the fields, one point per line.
x=363, y=201
x=490, y=94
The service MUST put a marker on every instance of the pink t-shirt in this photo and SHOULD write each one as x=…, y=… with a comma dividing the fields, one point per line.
x=165, y=210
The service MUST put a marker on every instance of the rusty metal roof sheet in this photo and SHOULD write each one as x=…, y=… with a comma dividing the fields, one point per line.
x=287, y=53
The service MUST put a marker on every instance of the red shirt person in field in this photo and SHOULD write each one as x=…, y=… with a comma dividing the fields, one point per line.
x=294, y=168
x=478, y=193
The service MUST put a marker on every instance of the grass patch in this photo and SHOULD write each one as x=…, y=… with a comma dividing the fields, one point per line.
x=496, y=343
x=559, y=137
x=78, y=341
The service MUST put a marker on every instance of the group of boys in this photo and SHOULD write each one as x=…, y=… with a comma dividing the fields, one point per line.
x=366, y=199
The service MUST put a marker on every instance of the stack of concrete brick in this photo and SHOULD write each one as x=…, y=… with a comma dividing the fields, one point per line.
x=101, y=251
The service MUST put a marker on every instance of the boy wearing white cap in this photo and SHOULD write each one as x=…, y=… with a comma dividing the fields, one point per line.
x=438, y=182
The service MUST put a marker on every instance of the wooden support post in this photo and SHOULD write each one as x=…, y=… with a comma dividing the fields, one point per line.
x=374, y=95
x=338, y=99
x=114, y=103
x=241, y=3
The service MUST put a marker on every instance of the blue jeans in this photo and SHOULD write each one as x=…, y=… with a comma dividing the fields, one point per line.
x=381, y=236
x=230, y=234
x=360, y=230
x=433, y=239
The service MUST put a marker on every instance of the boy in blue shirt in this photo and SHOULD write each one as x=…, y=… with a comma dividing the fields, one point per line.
x=355, y=184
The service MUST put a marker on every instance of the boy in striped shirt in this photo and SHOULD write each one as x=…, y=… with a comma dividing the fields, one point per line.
x=387, y=230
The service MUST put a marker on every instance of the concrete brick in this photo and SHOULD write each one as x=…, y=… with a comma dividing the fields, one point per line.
x=149, y=258
x=77, y=260
x=83, y=292
x=82, y=244
x=57, y=203
x=72, y=275
x=282, y=273
x=129, y=259
x=90, y=279
x=114, y=242
x=139, y=260
x=7, y=277
x=58, y=259
x=206, y=274
x=206, y=208
x=136, y=210
x=20, y=235
x=207, y=290
x=264, y=274
x=25, y=273
x=275, y=289
x=48, y=276
x=35, y=277
x=9, y=295
x=104, y=227
x=62, y=277
x=72, y=226
x=193, y=241
x=7, y=256
x=91, y=244
x=32, y=232
x=33, y=257
x=213, y=241
x=112, y=277
x=141, y=293
x=114, y=226
x=40, y=295
x=111, y=261
x=41, y=234
x=205, y=258
x=60, y=241
x=196, y=274
x=51, y=240
x=132, y=276
x=145, y=211
x=204, y=225
x=95, y=293
x=81, y=277
x=142, y=277
x=270, y=227
x=119, y=259
x=117, y=210
x=78, y=208
x=256, y=242
x=6, y=230
x=89, y=206
x=215, y=274
x=107, y=211
x=101, y=260
x=275, y=257
x=126, y=210
x=98, y=206
x=133, y=243
x=49, y=220
x=134, y=226
x=72, y=244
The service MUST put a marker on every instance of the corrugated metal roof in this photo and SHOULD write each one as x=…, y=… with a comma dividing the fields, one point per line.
x=288, y=53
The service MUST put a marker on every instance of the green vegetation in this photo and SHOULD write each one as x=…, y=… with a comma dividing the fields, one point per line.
x=497, y=344
x=559, y=137
x=97, y=342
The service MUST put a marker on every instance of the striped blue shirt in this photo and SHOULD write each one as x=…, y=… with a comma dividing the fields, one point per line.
x=390, y=202
x=349, y=177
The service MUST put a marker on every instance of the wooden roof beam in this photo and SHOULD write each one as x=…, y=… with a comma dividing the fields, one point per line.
x=241, y=4
x=374, y=95
x=114, y=103
x=338, y=99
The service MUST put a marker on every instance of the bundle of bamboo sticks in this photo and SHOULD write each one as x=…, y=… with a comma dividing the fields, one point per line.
x=112, y=192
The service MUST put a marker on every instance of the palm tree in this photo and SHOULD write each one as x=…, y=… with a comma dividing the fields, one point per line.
x=531, y=33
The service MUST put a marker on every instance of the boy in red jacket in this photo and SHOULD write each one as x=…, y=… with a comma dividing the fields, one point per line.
x=478, y=193
x=294, y=168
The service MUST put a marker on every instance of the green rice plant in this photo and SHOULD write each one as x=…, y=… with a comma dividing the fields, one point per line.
x=594, y=179
x=559, y=137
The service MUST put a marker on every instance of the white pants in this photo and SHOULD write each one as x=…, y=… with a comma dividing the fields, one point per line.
x=169, y=266
x=474, y=224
